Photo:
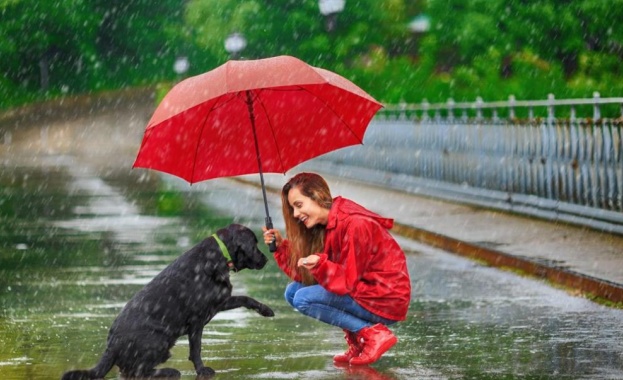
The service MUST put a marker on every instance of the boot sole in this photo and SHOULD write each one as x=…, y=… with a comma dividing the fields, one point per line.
x=383, y=349
x=344, y=359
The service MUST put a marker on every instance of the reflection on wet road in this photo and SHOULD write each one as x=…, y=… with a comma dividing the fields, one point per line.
x=76, y=244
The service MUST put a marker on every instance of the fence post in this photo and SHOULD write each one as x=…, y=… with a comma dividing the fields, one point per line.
x=549, y=149
x=451, y=110
x=596, y=110
x=551, y=115
x=479, y=108
x=511, y=107
x=425, y=106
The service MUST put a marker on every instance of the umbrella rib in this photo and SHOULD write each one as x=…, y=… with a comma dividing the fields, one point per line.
x=231, y=98
x=272, y=130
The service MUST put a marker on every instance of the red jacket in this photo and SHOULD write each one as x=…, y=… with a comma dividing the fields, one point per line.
x=360, y=259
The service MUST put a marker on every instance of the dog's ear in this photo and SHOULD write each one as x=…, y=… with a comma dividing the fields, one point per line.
x=233, y=230
x=230, y=232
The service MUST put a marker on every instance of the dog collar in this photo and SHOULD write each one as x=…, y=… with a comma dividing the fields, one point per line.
x=224, y=250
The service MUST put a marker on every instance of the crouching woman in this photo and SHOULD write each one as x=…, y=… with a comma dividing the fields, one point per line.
x=347, y=269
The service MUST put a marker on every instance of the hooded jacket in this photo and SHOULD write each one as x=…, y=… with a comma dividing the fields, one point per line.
x=360, y=259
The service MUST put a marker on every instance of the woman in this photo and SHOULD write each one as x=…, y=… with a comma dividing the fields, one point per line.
x=346, y=268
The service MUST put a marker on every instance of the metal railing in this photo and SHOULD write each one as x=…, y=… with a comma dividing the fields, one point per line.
x=570, y=166
x=478, y=107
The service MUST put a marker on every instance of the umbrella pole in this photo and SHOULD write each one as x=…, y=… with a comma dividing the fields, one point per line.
x=268, y=221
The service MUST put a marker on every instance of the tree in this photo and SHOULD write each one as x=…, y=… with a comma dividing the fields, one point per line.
x=43, y=43
x=555, y=30
x=78, y=45
x=297, y=28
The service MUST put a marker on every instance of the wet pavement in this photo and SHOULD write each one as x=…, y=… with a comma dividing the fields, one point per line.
x=81, y=232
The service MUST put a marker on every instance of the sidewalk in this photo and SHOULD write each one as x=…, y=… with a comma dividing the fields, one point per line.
x=587, y=261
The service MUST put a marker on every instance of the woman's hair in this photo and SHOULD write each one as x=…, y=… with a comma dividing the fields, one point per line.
x=304, y=241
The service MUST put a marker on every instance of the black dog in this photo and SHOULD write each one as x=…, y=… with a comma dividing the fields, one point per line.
x=180, y=300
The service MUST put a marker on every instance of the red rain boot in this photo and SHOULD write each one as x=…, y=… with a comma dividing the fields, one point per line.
x=376, y=340
x=354, y=348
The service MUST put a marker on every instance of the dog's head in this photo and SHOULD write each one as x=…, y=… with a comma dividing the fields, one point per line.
x=242, y=245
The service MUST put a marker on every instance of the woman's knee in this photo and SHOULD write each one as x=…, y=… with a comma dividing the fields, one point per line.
x=307, y=296
x=299, y=302
x=290, y=292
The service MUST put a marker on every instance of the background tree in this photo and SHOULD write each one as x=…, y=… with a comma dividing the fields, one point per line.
x=293, y=28
x=368, y=32
x=44, y=44
x=69, y=46
x=530, y=48
x=138, y=36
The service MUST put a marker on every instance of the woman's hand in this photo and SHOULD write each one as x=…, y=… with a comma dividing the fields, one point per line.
x=272, y=234
x=308, y=262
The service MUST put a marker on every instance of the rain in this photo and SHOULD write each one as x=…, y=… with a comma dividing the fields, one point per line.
x=81, y=231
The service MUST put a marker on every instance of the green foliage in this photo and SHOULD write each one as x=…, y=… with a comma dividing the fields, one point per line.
x=528, y=49
x=52, y=48
x=487, y=48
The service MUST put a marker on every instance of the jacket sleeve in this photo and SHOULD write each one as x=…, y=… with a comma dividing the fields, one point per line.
x=342, y=277
x=281, y=256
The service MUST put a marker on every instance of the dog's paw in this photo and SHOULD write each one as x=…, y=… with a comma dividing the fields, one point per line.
x=205, y=372
x=266, y=311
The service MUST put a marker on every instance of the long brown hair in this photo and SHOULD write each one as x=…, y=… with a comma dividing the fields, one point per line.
x=304, y=241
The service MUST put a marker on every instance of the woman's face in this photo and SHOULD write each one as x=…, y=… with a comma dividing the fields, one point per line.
x=306, y=210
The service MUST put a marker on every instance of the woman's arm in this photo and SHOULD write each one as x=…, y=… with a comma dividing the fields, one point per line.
x=342, y=277
x=282, y=258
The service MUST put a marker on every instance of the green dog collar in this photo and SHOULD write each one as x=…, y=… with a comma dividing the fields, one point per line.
x=223, y=249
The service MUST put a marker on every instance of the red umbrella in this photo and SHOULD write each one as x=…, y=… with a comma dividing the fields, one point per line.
x=265, y=115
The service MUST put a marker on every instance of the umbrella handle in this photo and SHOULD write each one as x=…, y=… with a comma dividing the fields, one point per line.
x=269, y=225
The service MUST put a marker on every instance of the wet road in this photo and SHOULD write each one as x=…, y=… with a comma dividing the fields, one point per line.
x=78, y=237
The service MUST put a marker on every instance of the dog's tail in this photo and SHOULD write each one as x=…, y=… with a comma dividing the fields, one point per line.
x=98, y=372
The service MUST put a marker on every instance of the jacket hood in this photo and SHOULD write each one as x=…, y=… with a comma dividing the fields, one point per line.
x=343, y=208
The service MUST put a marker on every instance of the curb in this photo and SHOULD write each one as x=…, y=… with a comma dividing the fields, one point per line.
x=590, y=286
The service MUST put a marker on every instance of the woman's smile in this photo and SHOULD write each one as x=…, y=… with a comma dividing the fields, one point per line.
x=306, y=210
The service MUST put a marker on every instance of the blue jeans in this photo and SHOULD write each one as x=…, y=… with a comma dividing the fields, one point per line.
x=341, y=311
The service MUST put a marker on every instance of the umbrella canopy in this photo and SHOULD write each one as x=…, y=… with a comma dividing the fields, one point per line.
x=202, y=128
x=251, y=116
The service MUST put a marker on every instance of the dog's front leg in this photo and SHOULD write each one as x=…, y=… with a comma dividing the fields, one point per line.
x=194, y=341
x=248, y=302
